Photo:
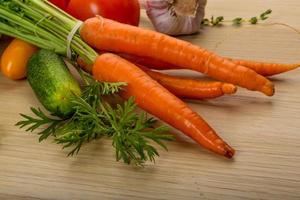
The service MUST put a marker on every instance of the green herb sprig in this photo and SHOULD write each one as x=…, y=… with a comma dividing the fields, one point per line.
x=41, y=120
x=132, y=134
x=220, y=20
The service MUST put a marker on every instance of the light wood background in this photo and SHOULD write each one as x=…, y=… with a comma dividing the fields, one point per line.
x=264, y=131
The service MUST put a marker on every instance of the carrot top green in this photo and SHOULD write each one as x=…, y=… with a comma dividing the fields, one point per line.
x=42, y=24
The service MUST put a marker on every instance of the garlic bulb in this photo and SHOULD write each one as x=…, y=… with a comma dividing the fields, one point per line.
x=175, y=17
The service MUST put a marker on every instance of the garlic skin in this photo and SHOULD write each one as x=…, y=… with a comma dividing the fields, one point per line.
x=166, y=19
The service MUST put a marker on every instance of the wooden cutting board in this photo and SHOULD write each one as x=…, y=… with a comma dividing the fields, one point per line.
x=265, y=132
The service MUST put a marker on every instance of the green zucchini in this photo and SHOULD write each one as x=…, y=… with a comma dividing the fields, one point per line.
x=52, y=82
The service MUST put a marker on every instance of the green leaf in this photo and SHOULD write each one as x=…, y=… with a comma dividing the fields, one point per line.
x=237, y=21
x=40, y=120
x=265, y=15
x=205, y=22
x=253, y=20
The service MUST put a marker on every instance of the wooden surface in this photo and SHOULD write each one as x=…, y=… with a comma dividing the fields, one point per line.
x=264, y=131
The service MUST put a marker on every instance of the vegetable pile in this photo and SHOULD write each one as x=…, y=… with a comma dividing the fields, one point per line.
x=122, y=65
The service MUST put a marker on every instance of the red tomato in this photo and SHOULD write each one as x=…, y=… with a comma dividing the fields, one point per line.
x=60, y=3
x=124, y=11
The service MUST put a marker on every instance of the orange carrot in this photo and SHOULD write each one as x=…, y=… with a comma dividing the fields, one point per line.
x=182, y=87
x=191, y=88
x=148, y=62
x=155, y=99
x=262, y=68
x=112, y=36
x=83, y=65
x=266, y=69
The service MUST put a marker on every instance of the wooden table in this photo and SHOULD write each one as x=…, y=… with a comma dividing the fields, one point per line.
x=265, y=131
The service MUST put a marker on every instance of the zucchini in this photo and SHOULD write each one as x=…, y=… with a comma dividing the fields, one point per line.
x=52, y=82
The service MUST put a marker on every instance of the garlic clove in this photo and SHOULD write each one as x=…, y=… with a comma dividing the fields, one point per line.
x=175, y=17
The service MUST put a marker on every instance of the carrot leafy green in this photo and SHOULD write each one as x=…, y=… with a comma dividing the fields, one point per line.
x=132, y=134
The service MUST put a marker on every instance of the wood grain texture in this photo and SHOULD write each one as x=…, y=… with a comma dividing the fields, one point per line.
x=264, y=131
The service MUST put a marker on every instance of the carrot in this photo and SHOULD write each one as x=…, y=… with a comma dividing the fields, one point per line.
x=266, y=69
x=112, y=36
x=262, y=68
x=191, y=88
x=182, y=87
x=155, y=99
x=86, y=67
x=148, y=62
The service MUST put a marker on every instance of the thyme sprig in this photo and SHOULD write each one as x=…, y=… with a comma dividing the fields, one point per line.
x=217, y=21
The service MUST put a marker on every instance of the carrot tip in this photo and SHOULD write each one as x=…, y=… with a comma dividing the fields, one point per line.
x=229, y=152
x=229, y=88
x=296, y=66
x=268, y=89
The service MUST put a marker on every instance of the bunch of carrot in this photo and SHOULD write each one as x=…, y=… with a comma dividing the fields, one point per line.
x=155, y=92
